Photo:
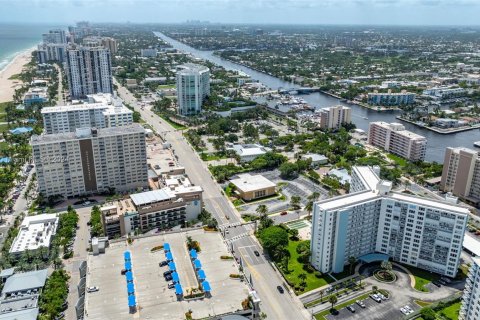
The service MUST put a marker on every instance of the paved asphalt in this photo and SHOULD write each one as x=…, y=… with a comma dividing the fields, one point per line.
x=264, y=278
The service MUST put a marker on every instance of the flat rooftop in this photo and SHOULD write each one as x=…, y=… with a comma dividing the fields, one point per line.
x=34, y=232
x=369, y=177
x=148, y=197
x=25, y=281
x=247, y=182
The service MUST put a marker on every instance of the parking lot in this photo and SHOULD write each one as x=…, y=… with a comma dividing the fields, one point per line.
x=155, y=300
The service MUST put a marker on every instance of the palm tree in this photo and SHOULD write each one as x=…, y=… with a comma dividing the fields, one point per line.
x=386, y=265
x=295, y=202
x=375, y=289
x=314, y=196
x=303, y=277
x=333, y=299
x=309, y=207
x=351, y=261
x=262, y=209
x=321, y=294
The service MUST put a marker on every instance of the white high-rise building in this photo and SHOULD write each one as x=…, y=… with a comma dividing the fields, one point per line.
x=91, y=160
x=193, y=86
x=53, y=47
x=101, y=111
x=55, y=36
x=393, y=137
x=420, y=232
x=88, y=70
x=334, y=117
x=470, y=309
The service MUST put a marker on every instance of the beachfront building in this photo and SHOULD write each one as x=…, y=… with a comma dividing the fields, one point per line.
x=90, y=161
x=88, y=70
x=250, y=187
x=35, y=95
x=193, y=86
x=334, y=117
x=391, y=99
x=461, y=174
x=101, y=110
x=470, y=309
x=380, y=224
x=53, y=46
x=55, y=36
x=393, y=137
x=35, y=232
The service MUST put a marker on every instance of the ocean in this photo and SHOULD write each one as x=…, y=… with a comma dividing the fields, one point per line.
x=16, y=38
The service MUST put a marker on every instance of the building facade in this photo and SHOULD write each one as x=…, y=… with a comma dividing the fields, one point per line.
x=35, y=232
x=461, y=174
x=101, y=111
x=250, y=187
x=391, y=99
x=393, y=137
x=88, y=70
x=334, y=117
x=91, y=161
x=414, y=231
x=55, y=36
x=470, y=309
x=193, y=86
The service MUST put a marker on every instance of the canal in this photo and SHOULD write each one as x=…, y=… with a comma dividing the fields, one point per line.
x=360, y=116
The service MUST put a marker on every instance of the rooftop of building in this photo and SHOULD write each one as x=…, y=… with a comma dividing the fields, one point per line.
x=398, y=128
x=315, y=157
x=25, y=281
x=248, y=149
x=34, y=232
x=247, y=182
x=189, y=68
x=143, y=198
x=106, y=101
x=25, y=314
x=368, y=175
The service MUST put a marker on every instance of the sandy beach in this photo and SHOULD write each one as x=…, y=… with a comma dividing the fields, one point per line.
x=7, y=87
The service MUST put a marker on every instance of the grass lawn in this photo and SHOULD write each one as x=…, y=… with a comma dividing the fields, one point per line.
x=3, y=127
x=296, y=268
x=321, y=315
x=3, y=106
x=166, y=86
x=173, y=124
x=422, y=278
x=452, y=311
x=398, y=160
x=422, y=303
x=212, y=156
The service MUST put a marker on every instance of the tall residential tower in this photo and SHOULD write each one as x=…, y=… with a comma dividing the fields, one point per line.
x=193, y=86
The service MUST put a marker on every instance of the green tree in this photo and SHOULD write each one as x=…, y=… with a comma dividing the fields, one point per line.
x=428, y=314
x=288, y=170
x=262, y=209
x=351, y=261
x=273, y=237
x=303, y=277
x=332, y=299
x=295, y=202
x=309, y=207
x=386, y=265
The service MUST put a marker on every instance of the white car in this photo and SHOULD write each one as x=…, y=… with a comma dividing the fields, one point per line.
x=408, y=309
x=404, y=311
x=92, y=289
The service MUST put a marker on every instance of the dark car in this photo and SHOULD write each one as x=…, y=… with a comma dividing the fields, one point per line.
x=351, y=309
x=435, y=282
x=257, y=253
x=167, y=273
x=123, y=271
x=280, y=289
x=171, y=286
x=168, y=278
x=163, y=264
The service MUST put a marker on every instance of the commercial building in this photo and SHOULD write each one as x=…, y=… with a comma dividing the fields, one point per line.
x=250, y=187
x=193, y=86
x=99, y=111
x=470, y=309
x=415, y=231
x=91, y=160
x=461, y=174
x=393, y=137
x=334, y=117
x=247, y=152
x=88, y=70
x=162, y=208
x=35, y=232
x=391, y=99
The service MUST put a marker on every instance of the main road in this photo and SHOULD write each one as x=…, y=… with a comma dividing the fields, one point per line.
x=264, y=278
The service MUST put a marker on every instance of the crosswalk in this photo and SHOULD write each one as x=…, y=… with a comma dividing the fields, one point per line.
x=229, y=225
x=237, y=237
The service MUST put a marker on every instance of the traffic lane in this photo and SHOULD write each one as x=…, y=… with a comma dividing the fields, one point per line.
x=248, y=252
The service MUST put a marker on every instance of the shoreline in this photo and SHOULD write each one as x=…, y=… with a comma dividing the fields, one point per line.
x=440, y=130
x=8, y=86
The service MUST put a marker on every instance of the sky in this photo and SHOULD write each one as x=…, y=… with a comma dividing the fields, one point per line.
x=361, y=12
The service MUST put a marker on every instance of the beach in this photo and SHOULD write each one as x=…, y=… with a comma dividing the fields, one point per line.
x=7, y=87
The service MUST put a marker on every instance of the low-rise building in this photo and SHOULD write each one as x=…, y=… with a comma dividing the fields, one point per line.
x=148, y=53
x=391, y=99
x=251, y=187
x=35, y=95
x=445, y=92
x=248, y=152
x=35, y=232
x=317, y=159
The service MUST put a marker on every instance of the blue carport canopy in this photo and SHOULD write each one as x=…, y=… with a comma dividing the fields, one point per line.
x=126, y=255
x=172, y=266
x=128, y=266
x=175, y=277
x=169, y=256
x=201, y=275
x=166, y=246
x=129, y=276
x=132, y=302
x=373, y=257
x=197, y=264
x=193, y=253
x=206, y=286
x=130, y=288
x=178, y=289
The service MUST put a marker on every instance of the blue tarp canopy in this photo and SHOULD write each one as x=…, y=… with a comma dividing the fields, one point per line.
x=128, y=265
x=193, y=253
x=169, y=256
x=130, y=288
x=206, y=286
x=373, y=257
x=5, y=160
x=166, y=246
x=172, y=266
x=21, y=130
x=201, y=275
x=129, y=276
x=126, y=255
x=132, y=302
x=197, y=264
x=178, y=289
x=175, y=277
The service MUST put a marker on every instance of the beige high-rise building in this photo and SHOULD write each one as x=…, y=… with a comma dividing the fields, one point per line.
x=461, y=174
x=90, y=161
x=393, y=137
x=334, y=117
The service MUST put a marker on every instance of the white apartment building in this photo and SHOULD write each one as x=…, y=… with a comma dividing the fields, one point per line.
x=148, y=53
x=193, y=86
x=88, y=70
x=444, y=92
x=391, y=99
x=100, y=111
x=393, y=137
x=35, y=232
x=414, y=231
x=55, y=36
x=91, y=160
x=334, y=117
x=470, y=309
x=461, y=174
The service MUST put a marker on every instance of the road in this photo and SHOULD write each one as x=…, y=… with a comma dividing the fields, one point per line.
x=264, y=278
x=60, y=94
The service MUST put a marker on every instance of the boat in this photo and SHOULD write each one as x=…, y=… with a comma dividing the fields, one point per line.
x=476, y=144
x=365, y=118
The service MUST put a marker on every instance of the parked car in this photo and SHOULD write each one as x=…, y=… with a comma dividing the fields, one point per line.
x=280, y=289
x=447, y=280
x=257, y=253
x=351, y=309
x=168, y=278
x=163, y=264
x=123, y=271
x=171, y=286
x=284, y=213
x=167, y=273
x=408, y=309
x=435, y=282
x=376, y=298
x=360, y=303
x=92, y=289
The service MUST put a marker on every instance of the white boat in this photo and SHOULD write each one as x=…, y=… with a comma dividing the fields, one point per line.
x=365, y=118
x=477, y=144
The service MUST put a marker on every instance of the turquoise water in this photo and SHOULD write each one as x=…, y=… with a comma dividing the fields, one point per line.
x=16, y=38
